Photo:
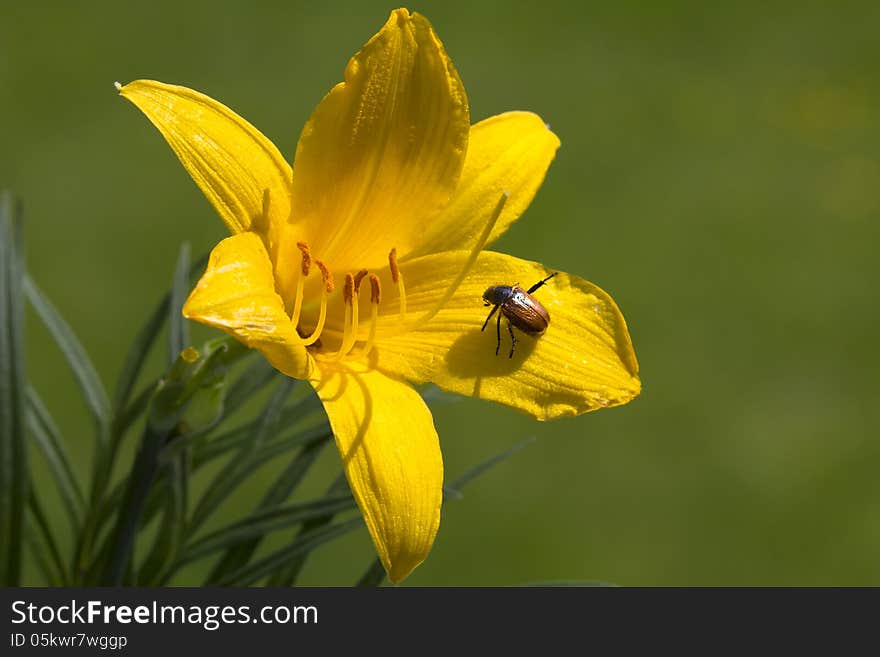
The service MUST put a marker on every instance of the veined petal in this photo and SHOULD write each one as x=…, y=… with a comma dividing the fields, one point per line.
x=509, y=152
x=240, y=171
x=584, y=361
x=389, y=448
x=237, y=294
x=382, y=153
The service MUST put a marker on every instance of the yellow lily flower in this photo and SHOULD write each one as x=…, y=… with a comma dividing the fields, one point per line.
x=362, y=267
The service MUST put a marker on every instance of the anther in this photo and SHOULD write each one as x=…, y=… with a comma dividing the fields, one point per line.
x=322, y=314
x=375, y=290
x=348, y=288
x=358, y=278
x=375, y=298
x=300, y=283
x=349, y=323
x=307, y=257
x=327, y=275
x=397, y=277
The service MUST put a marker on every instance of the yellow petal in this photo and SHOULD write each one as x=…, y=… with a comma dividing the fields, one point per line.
x=584, y=361
x=389, y=448
x=240, y=171
x=382, y=153
x=237, y=294
x=509, y=152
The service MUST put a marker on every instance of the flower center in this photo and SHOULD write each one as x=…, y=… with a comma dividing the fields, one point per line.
x=301, y=318
x=347, y=335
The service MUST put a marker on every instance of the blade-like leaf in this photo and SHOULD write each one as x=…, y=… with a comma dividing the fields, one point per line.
x=241, y=466
x=301, y=545
x=40, y=527
x=373, y=576
x=454, y=488
x=256, y=375
x=288, y=575
x=83, y=370
x=129, y=517
x=137, y=352
x=261, y=523
x=52, y=445
x=178, y=329
x=280, y=490
x=13, y=448
x=170, y=535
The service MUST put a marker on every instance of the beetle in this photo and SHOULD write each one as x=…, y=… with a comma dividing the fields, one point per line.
x=521, y=309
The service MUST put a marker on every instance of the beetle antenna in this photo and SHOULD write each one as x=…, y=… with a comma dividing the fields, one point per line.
x=541, y=282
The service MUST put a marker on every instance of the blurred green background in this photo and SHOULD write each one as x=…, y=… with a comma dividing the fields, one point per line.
x=719, y=175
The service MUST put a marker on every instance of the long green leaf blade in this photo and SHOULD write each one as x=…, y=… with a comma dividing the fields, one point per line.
x=373, y=576
x=146, y=337
x=280, y=490
x=288, y=575
x=13, y=448
x=265, y=522
x=454, y=488
x=74, y=353
x=178, y=329
x=242, y=465
x=300, y=546
x=48, y=438
x=40, y=525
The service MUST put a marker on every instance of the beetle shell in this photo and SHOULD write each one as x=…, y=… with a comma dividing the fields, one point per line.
x=521, y=309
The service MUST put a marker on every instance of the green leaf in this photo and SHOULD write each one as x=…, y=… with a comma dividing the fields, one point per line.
x=288, y=575
x=52, y=445
x=146, y=337
x=83, y=370
x=256, y=375
x=297, y=417
x=453, y=489
x=129, y=517
x=169, y=538
x=373, y=576
x=301, y=545
x=242, y=466
x=283, y=488
x=14, y=471
x=178, y=329
x=184, y=383
x=40, y=527
x=261, y=523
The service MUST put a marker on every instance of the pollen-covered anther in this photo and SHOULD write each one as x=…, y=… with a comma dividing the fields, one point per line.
x=327, y=275
x=375, y=290
x=397, y=277
x=327, y=288
x=306, y=257
x=300, y=282
x=375, y=300
x=358, y=278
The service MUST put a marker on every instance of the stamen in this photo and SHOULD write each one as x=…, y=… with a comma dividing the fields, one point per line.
x=350, y=320
x=300, y=282
x=307, y=257
x=375, y=298
x=357, y=280
x=322, y=314
x=397, y=277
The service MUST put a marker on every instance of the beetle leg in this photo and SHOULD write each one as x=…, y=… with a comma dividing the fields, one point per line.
x=488, y=318
x=512, y=339
x=540, y=283
x=498, y=331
